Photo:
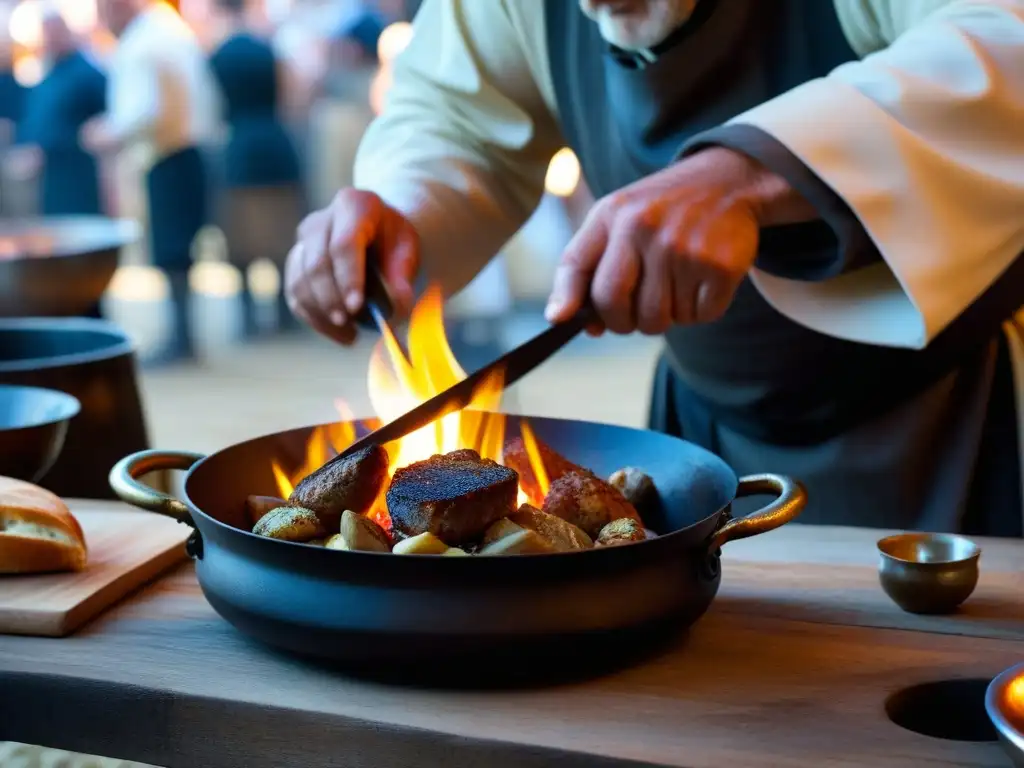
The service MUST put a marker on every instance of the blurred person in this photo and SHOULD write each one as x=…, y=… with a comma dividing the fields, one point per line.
x=817, y=203
x=162, y=102
x=12, y=102
x=12, y=92
x=57, y=109
x=264, y=202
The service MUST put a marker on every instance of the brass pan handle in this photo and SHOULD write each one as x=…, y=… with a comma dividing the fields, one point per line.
x=124, y=481
x=790, y=500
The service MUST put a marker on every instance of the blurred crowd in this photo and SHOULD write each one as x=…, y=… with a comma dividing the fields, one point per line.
x=206, y=105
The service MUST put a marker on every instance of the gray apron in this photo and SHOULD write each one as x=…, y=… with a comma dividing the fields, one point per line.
x=920, y=440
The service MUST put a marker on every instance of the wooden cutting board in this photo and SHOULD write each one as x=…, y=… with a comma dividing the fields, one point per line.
x=126, y=550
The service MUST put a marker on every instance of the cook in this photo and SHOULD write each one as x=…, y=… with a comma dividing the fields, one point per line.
x=818, y=204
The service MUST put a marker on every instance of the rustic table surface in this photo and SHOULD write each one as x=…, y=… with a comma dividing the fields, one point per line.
x=791, y=667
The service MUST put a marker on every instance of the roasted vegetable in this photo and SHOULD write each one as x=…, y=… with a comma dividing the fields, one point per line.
x=525, y=542
x=290, y=524
x=562, y=534
x=423, y=544
x=637, y=487
x=622, y=531
x=359, y=534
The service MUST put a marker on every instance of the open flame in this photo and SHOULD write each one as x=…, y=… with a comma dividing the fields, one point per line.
x=398, y=381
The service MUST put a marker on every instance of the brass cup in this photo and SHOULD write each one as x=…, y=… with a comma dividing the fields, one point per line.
x=930, y=573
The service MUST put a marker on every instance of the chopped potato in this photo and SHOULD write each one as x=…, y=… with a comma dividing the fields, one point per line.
x=525, y=542
x=290, y=524
x=423, y=544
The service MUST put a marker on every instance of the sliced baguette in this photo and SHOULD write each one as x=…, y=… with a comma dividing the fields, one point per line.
x=38, y=533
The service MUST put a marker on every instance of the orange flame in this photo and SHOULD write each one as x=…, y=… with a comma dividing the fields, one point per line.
x=396, y=385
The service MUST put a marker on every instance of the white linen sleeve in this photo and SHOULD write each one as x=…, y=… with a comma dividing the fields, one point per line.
x=133, y=87
x=923, y=140
x=464, y=140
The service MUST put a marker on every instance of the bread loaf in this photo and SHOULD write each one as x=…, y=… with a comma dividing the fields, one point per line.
x=38, y=533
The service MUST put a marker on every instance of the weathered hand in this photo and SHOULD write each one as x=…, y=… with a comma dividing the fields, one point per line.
x=671, y=248
x=326, y=269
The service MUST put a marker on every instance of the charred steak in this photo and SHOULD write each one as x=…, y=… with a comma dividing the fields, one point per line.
x=455, y=496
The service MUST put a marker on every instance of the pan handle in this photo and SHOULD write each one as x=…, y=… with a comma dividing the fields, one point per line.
x=790, y=500
x=124, y=482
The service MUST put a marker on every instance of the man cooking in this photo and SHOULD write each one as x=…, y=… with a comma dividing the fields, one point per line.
x=818, y=203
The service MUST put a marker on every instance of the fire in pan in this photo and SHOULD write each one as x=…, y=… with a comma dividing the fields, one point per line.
x=505, y=538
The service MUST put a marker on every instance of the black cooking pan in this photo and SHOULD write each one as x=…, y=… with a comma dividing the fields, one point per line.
x=380, y=611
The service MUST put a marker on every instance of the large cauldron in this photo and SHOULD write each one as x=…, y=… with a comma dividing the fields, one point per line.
x=94, y=361
x=382, y=611
x=56, y=267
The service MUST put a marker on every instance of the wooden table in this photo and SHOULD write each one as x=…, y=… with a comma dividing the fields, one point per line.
x=790, y=668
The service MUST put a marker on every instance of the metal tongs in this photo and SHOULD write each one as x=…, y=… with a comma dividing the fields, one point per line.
x=378, y=307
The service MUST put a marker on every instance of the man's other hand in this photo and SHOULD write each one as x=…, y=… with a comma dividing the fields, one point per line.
x=669, y=249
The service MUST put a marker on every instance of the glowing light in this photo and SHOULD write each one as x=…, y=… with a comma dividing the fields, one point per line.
x=139, y=283
x=28, y=70
x=79, y=15
x=563, y=173
x=392, y=41
x=26, y=24
x=214, y=278
x=264, y=279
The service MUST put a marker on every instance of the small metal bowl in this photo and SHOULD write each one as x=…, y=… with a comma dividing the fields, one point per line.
x=928, y=572
x=1004, y=704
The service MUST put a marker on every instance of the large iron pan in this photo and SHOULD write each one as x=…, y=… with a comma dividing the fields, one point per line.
x=376, y=611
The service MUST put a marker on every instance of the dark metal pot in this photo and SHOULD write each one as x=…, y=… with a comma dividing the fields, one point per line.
x=375, y=611
x=94, y=362
x=33, y=426
x=64, y=264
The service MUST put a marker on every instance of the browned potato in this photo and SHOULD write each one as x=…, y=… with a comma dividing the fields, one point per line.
x=363, y=534
x=636, y=486
x=424, y=544
x=621, y=531
x=564, y=535
x=359, y=534
x=290, y=524
x=500, y=530
x=523, y=543
x=257, y=506
x=587, y=501
x=352, y=483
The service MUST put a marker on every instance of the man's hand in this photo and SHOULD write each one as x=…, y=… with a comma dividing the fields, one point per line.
x=673, y=247
x=325, y=272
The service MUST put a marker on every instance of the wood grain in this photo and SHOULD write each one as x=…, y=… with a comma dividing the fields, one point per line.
x=786, y=671
x=127, y=548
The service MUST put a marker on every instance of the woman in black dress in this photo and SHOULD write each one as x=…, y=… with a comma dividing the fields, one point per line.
x=263, y=200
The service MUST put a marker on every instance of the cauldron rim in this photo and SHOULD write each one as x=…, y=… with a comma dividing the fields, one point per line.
x=69, y=405
x=122, y=345
x=118, y=232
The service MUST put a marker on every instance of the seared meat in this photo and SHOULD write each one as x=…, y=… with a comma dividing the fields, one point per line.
x=456, y=497
x=555, y=465
x=352, y=483
x=587, y=501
